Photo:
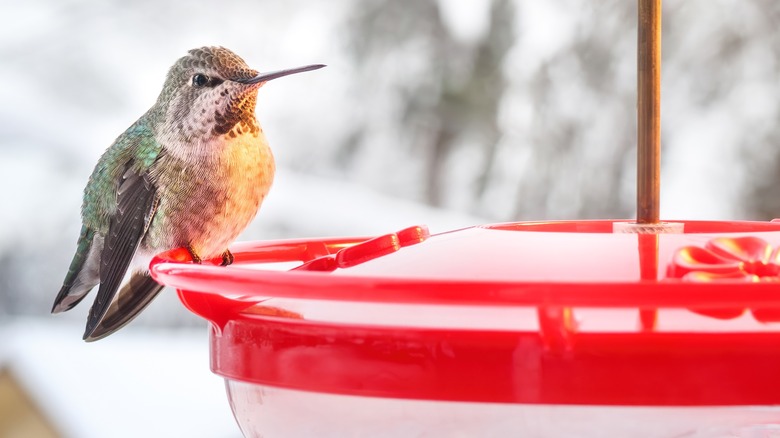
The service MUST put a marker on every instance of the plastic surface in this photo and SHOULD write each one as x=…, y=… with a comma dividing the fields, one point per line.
x=531, y=313
x=266, y=411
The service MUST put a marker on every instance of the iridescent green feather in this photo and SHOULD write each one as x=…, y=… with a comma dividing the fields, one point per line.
x=136, y=145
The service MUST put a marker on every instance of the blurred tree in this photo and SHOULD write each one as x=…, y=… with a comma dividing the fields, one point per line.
x=439, y=118
x=751, y=45
x=582, y=135
x=579, y=145
x=454, y=97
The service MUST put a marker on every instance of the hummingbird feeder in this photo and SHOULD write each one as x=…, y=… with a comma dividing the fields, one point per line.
x=602, y=328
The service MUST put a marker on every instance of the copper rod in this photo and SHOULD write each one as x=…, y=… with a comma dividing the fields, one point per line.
x=649, y=112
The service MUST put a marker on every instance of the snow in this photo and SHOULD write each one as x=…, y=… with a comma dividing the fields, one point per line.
x=467, y=20
x=139, y=382
x=313, y=206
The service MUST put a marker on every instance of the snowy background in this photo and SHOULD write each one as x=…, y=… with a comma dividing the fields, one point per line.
x=437, y=112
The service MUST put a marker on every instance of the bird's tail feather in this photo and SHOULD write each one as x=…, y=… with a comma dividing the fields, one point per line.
x=83, y=274
x=127, y=306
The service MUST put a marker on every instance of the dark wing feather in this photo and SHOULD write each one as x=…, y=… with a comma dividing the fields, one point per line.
x=135, y=201
x=132, y=299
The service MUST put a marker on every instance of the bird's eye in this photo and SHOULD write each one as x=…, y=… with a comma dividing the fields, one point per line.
x=200, y=80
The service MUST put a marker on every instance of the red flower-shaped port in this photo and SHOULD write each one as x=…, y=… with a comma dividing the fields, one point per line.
x=735, y=259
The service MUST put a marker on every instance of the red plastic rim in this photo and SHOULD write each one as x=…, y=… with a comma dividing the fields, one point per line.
x=254, y=341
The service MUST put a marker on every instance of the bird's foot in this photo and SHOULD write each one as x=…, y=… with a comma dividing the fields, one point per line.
x=195, y=257
x=227, y=258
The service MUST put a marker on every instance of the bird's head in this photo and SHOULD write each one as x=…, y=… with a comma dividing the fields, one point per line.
x=212, y=92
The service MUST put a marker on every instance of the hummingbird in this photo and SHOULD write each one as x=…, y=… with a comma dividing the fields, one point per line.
x=191, y=172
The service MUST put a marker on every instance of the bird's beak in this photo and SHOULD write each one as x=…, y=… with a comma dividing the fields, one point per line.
x=265, y=77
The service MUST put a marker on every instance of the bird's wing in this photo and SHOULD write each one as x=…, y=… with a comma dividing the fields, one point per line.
x=136, y=148
x=132, y=299
x=136, y=200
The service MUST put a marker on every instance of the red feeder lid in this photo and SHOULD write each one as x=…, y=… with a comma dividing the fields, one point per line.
x=553, y=312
